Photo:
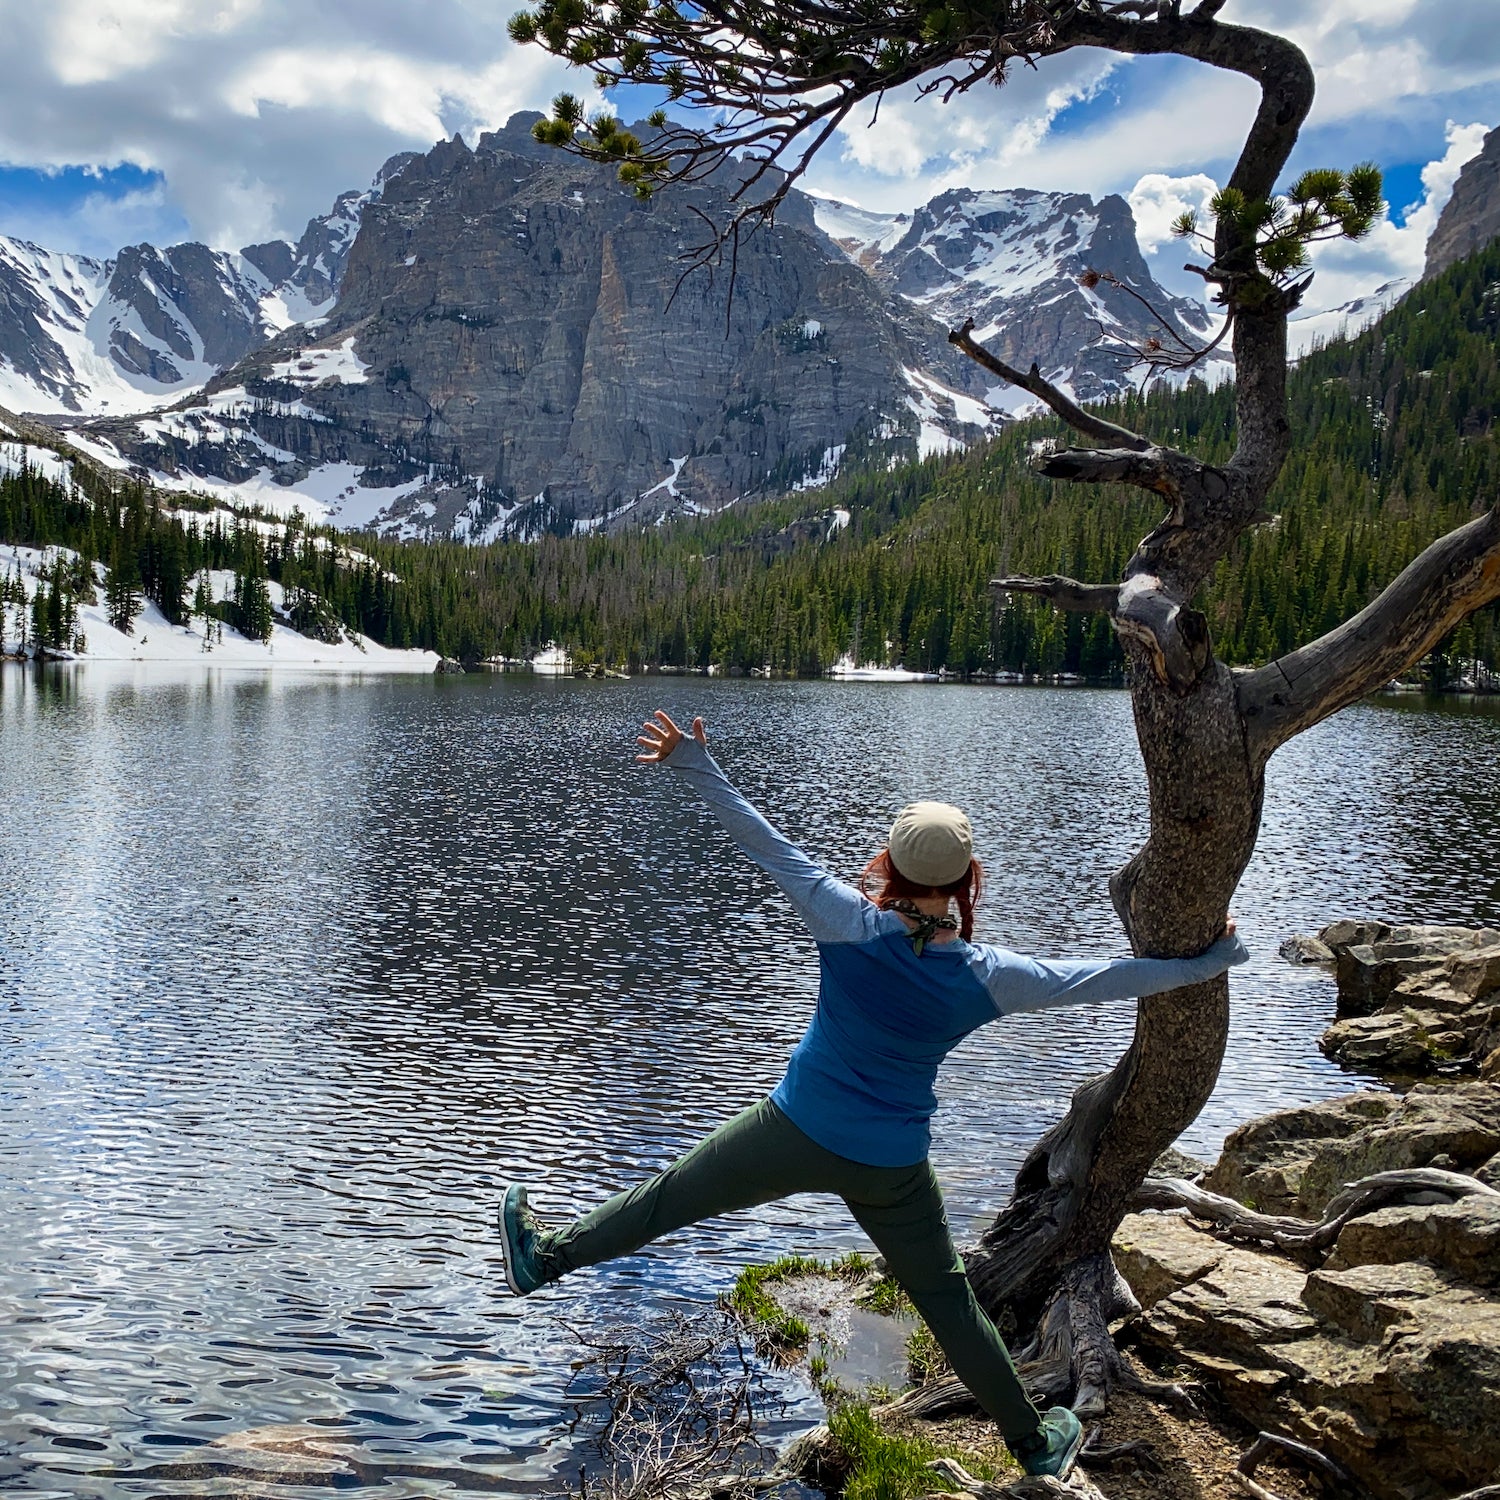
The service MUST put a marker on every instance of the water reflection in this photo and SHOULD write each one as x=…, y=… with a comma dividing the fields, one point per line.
x=296, y=971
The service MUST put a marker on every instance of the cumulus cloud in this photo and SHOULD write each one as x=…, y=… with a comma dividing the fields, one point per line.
x=1158, y=200
x=919, y=146
x=255, y=113
x=1392, y=251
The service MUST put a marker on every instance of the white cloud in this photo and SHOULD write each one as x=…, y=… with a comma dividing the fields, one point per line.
x=256, y=113
x=920, y=146
x=94, y=40
x=1348, y=269
x=1158, y=200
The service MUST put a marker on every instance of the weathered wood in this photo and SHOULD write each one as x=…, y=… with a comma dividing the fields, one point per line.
x=1299, y=1235
x=1173, y=638
x=1456, y=575
x=1064, y=593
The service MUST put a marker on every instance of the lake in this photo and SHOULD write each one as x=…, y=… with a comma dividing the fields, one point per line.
x=296, y=972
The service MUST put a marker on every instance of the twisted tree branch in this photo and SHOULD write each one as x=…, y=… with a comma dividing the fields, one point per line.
x=1304, y=1235
x=1456, y=575
x=1065, y=593
x=1059, y=400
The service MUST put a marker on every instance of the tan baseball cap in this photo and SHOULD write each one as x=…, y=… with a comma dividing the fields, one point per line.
x=931, y=843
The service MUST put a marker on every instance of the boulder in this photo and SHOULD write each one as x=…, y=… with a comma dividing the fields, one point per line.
x=1263, y=1162
x=1462, y=1239
x=1475, y=972
x=1412, y=1000
x=1175, y=1163
x=1306, y=950
x=1294, y=1161
x=1393, y=1369
x=1368, y=976
x=1409, y=1043
x=1345, y=934
x=1373, y=958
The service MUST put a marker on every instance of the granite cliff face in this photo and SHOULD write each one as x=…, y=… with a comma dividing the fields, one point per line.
x=513, y=348
x=1471, y=217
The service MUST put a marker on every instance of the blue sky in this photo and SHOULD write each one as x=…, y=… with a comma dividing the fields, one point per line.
x=235, y=120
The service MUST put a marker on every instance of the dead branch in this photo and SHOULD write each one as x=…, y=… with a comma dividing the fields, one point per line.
x=1064, y=593
x=1097, y=1456
x=1456, y=575
x=675, y=1411
x=1032, y=380
x=1237, y=1222
x=1077, y=1487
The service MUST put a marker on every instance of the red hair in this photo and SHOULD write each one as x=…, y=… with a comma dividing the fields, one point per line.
x=892, y=886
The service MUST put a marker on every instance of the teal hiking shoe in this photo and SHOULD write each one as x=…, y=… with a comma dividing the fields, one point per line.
x=518, y=1236
x=1054, y=1447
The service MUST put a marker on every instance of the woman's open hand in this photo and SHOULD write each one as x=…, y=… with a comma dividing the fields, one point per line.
x=661, y=736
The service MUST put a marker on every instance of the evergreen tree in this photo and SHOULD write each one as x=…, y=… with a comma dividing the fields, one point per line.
x=122, y=593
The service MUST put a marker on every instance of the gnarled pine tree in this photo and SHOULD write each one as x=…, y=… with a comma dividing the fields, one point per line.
x=781, y=77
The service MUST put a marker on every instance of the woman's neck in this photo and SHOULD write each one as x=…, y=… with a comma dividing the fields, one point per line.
x=932, y=906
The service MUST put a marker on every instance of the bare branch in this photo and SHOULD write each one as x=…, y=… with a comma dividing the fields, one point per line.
x=1268, y=1443
x=1145, y=468
x=1066, y=594
x=1060, y=402
x=1456, y=575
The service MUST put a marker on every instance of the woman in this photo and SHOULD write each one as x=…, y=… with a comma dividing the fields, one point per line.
x=901, y=986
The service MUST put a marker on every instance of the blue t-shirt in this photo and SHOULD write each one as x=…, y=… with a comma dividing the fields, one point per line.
x=860, y=1082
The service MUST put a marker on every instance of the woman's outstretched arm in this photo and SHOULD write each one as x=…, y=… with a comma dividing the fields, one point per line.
x=1016, y=982
x=834, y=912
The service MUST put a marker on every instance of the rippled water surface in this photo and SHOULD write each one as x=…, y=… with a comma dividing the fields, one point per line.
x=294, y=972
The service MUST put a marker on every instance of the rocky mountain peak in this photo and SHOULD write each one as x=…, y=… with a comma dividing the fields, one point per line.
x=510, y=349
x=1011, y=259
x=1471, y=217
x=129, y=334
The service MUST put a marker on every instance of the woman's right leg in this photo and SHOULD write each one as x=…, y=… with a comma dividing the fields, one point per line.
x=756, y=1157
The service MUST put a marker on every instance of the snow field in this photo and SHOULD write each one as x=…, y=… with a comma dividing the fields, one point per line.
x=207, y=642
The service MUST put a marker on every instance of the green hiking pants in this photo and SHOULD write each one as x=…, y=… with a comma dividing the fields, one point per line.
x=760, y=1156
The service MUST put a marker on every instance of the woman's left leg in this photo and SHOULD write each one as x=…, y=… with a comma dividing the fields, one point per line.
x=902, y=1211
x=756, y=1157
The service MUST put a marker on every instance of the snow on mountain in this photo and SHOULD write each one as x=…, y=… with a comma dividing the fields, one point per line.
x=1307, y=331
x=131, y=334
x=1012, y=261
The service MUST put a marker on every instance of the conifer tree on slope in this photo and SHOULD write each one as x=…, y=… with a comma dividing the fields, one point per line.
x=781, y=76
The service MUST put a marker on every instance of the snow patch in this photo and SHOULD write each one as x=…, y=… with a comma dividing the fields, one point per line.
x=313, y=366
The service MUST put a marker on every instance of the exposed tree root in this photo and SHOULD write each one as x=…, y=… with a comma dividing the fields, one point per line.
x=1303, y=1237
x=1077, y=1486
x=1268, y=1443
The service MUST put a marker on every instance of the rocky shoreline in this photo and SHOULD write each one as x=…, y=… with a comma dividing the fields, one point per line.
x=1328, y=1291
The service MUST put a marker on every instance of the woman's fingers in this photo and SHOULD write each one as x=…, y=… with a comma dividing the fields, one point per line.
x=699, y=733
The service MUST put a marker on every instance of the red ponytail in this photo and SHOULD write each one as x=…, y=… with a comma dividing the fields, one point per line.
x=890, y=885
